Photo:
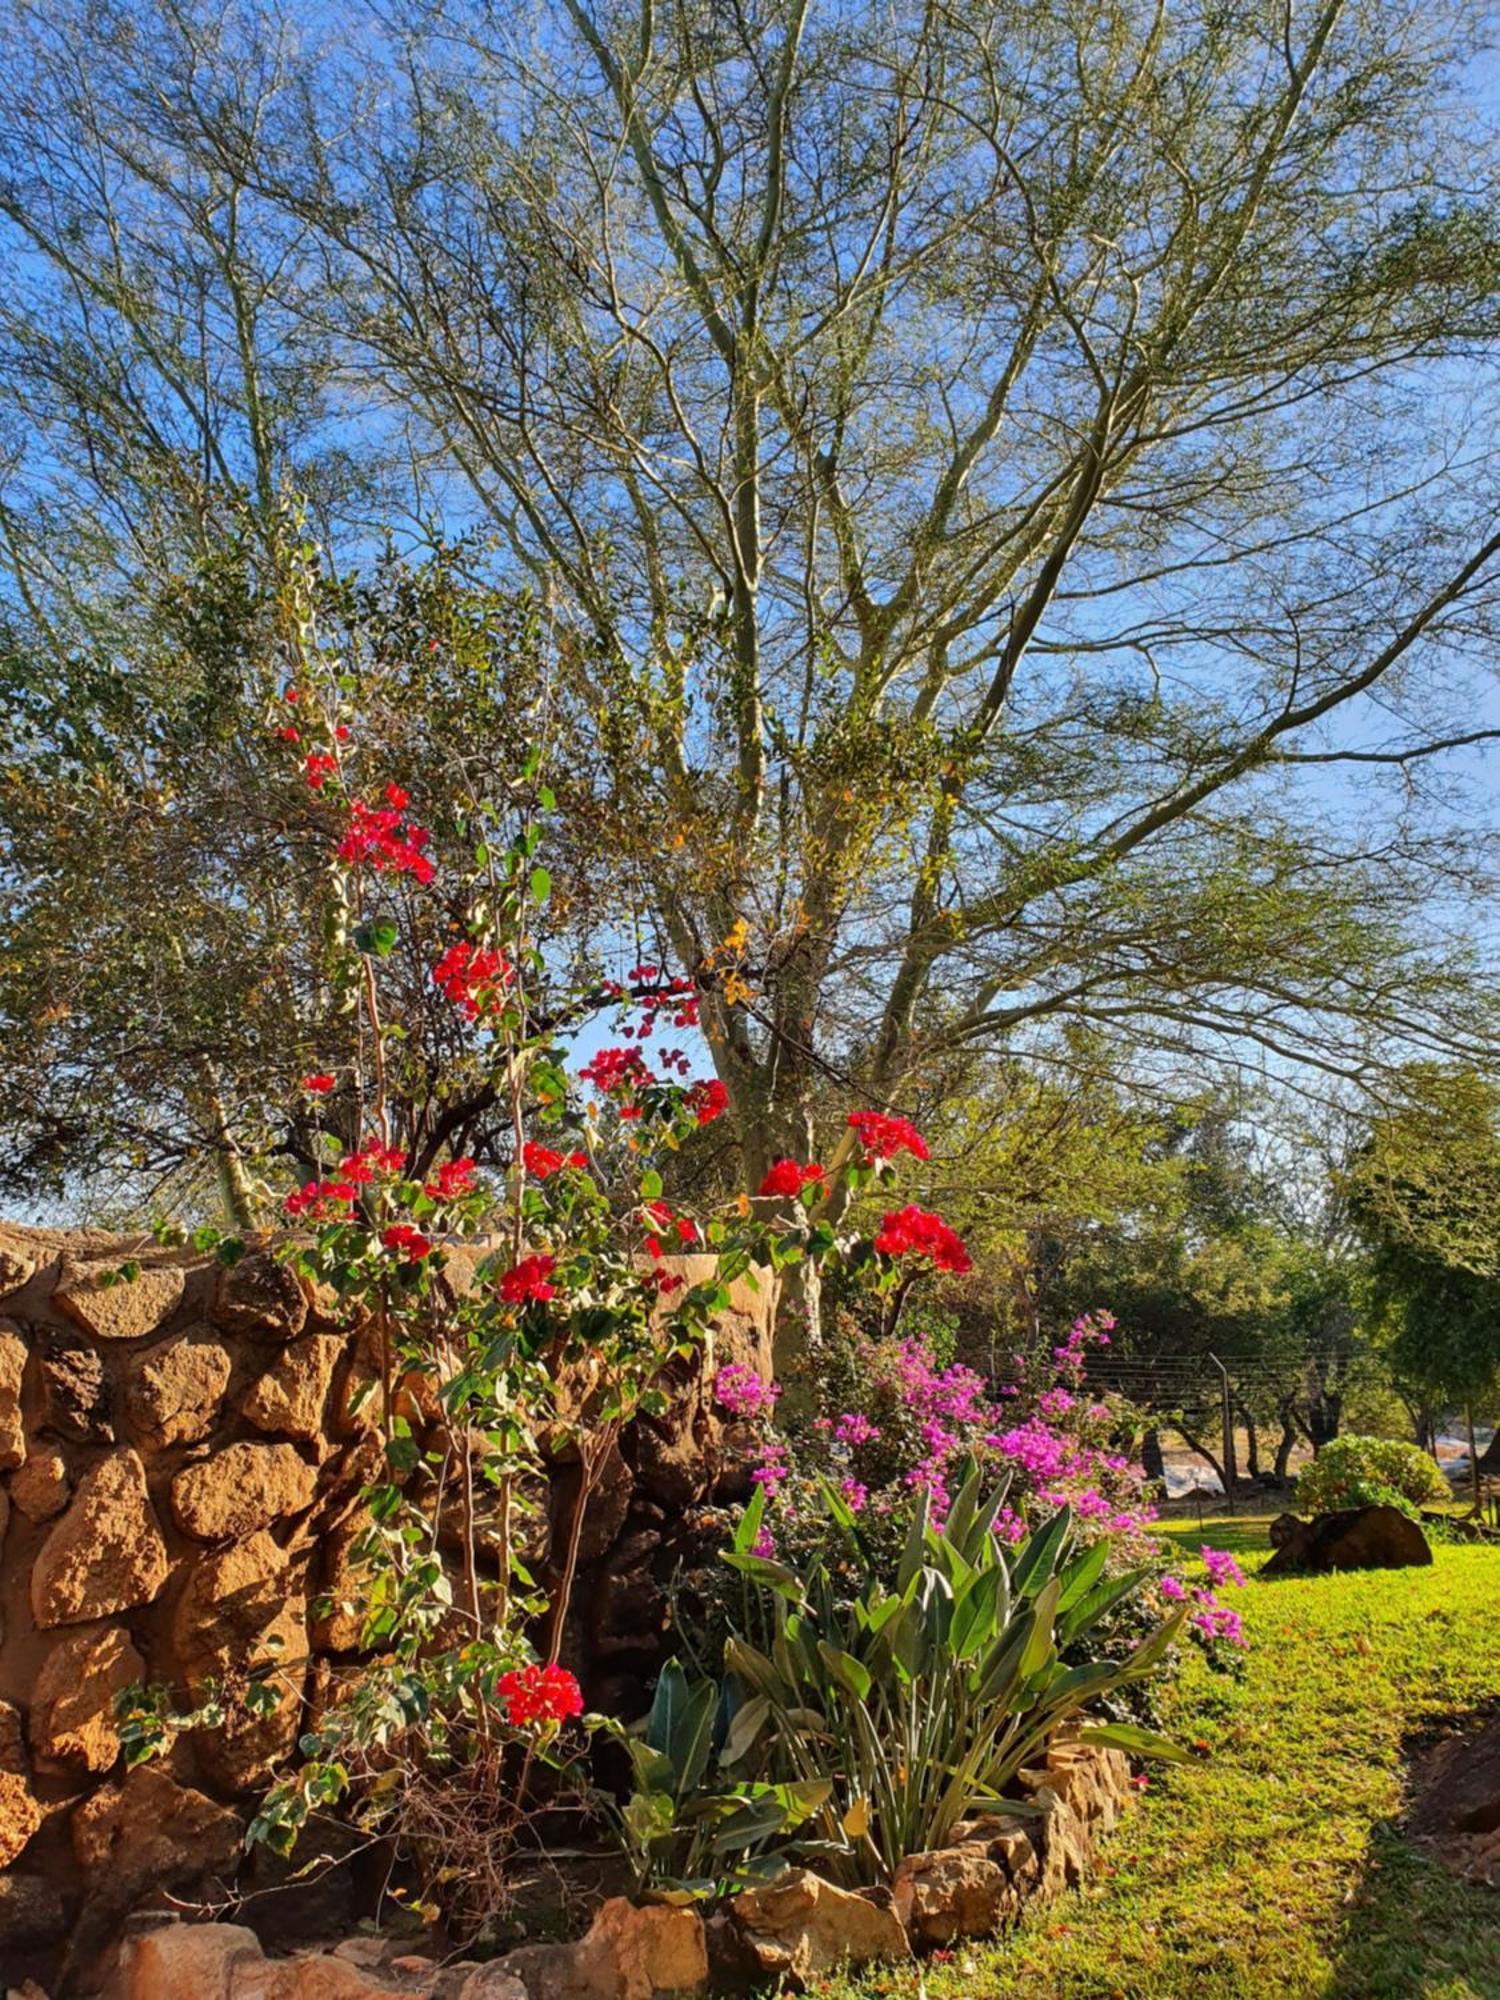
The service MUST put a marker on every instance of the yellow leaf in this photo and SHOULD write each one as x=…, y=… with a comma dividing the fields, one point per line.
x=856, y=1822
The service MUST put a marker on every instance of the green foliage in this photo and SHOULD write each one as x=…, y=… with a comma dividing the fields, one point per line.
x=926, y=1698
x=687, y=1835
x=1353, y=1471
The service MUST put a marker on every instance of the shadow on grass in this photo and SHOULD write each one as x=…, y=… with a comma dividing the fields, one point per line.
x=1415, y=1932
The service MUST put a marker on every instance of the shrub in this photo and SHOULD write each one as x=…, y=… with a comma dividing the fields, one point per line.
x=1368, y=1472
x=925, y=1700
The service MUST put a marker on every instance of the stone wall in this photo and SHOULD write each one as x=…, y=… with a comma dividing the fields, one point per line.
x=180, y=1461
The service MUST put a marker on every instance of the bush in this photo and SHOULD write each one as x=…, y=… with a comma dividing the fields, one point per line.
x=1370, y=1472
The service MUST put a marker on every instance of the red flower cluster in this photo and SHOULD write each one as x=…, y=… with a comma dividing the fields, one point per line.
x=452, y=1179
x=539, y=1694
x=617, y=1073
x=372, y=1159
x=471, y=975
x=787, y=1178
x=707, y=1100
x=883, y=1138
x=289, y=733
x=530, y=1279
x=319, y=1085
x=677, y=998
x=542, y=1162
x=318, y=768
x=412, y=1244
x=383, y=837
x=913, y=1232
x=319, y=1200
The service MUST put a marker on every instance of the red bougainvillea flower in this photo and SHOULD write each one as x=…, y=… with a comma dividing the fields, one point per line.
x=452, y=1179
x=530, y=1279
x=539, y=1694
x=787, y=1178
x=289, y=733
x=472, y=976
x=292, y=695
x=371, y=1160
x=318, y=768
x=913, y=1232
x=883, y=1138
x=318, y=1084
x=618, y=1073
x=380, y=837
x=319, y=1200
x=576, y=1160
x=540, y=1161
x=411, y=1243
x=341, y=732
x=707, y=1100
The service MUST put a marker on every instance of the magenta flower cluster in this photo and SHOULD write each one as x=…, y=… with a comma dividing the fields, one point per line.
x=743, y=1393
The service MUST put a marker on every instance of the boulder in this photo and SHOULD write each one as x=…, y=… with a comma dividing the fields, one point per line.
x=77, y=1396
x=800, y=1926
x=175, y=1390
x=241, y=1489
x=72, y=1717
x=40, y=1487
x=244, y=1608
x=186, y=1962
x=631, y=1952
x=114, y=1308
x=20, y=1815
x=952, y=1892
x=261, y=1295
x=12, y=1369
x=339, y=1611
x=106, y=1553
x=290, y=1396
x=1352, y=1538
x=33, y=1912
x=150, y=1832
x=17, y=1266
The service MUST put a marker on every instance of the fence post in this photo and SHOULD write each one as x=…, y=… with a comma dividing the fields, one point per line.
x=1228, y=1411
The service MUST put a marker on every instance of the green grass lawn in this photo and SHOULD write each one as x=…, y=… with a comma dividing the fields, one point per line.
x=1272, y=1867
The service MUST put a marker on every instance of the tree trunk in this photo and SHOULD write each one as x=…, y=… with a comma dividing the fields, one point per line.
x=1323, y=1413
x=1286, y=1443
x=1197, y=1445
x=1153, y=1464
x=1252, y=1441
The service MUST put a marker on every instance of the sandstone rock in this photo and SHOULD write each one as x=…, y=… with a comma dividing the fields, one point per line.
x=106, y=1553
x=77, y=1397
x=604, y=1513
x=261, y=1295
x=12, y=1368
x=187, y=1962
x=489, y=1982
x=40, y=1488
x=630, y=1953
x=1094, y=1780
x=337, y=1627
x=149, y=1831
x=72, y=1717
x=1067, y=1852
x=1353, y=1538
x=17, y=1266
x=112, y=1308
x=174, y=1391
x=291, y=1395
x=20, y=1815
x=240, y=1489
x=320, y=1976
x=952, y=1892
x=33, y=1911
x=670, y=1464
x=244, y=1608
x=799, y=1925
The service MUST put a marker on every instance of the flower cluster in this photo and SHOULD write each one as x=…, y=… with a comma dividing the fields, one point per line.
x=882, y=1137
x=706, y=1100
x=318, y=1085
x=743, y=1393
x=618, y=1073
x=473, y=977
x=541, y=1162
x=914, y=1232
x=318, y=768
x=384, y=839
x=531, y=1279
x=372, y=1161
x=785, y=1177
x=539, y=1694
x=318, y=1201
x=452, y=1180
x=412, y=1245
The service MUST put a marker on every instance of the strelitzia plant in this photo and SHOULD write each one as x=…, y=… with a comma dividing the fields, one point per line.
x=922, y=1701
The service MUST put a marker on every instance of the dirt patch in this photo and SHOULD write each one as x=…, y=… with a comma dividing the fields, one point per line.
x=1455, y=1800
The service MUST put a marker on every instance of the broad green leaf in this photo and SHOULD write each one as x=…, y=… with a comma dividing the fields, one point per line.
x=1133, y=1740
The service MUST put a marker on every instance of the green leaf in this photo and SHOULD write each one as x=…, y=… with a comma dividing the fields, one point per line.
x=1133, y=1740
x=650, y=1185
x=744, y=1729
x=849, y=1674
x=541, y=885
